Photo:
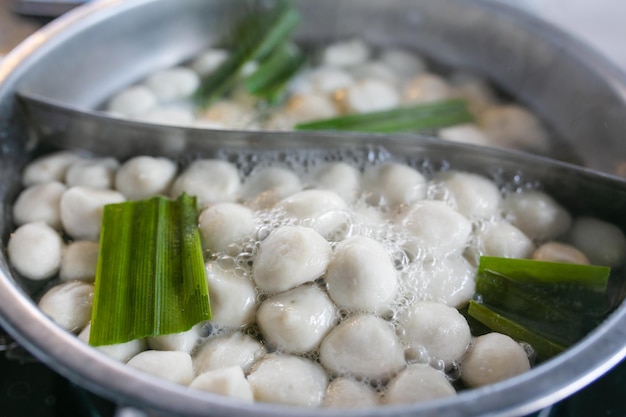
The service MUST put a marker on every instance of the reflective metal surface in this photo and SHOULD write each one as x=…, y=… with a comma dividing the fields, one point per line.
x=76, y=61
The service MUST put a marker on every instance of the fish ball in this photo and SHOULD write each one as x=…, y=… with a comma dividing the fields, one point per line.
x=536, y=214
x=49, y=168
x=362, y=346
x=296, y=321
x=210, y=180
x=144, y=176
x=181, y=341
x=418, y=383
x=361, y=275
x=133, y=101
x=512, y=126
x=93, y=173
x=341, y=178
x=375, y=70
x=80, y=261
x=224, y=224
x=394, y=184
x=426, y=88
x=173, y=83
x=560, y=252
x=228, y=114
x=327, y=80
x=270, y=185
x=208, y=61
x=436, y=228
x=233, y=297
x=449, y=281
x=346, y=53
x=235, y=349
x=493, y=357
x=404, y=63
x=472, y=195
x=465, y=133
x=306, y=107
x=602, y=242
x=371, y=95
x=120, y=351
x=349, y=393
x=69, y=305
x=291, y=380
x=172, y=366
x=441, y=330
x=504, y=240
x=229, y=382
x=290, y=256
x=82, y=208
x=35, y=250
x=39, y=203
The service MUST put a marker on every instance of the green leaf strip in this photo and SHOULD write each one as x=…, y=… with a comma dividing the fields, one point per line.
x=254, y=38
x=414, y=118
x=150, y=277
x=275, y=72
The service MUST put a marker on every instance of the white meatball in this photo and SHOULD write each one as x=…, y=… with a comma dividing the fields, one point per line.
x=39, y=202
x=426, y=88
x=602, y=242
x=69, y=305
x=472, y=195
x=375, y=70
x=394, y=184
x=465, y=133
x=210, y=180
x=172, y=366
x=183, y=341
x=362, y=346
x=346, y=53
x=438, y=329
x=327, y=80
x=512, y=126
x=266, y=187
x=225, y=224
x=536, y=214
x=174, y=115
x=80, y=261
x=235, y=349
x=233, y=297
x=418, y=383
x=493, y=357
x=208, y=61
x=560, y=252
x=286, y=379
x=228, y=114
x=296, y=321
x=229, y=382
x=145, y=176
x=361, y=275
x=341, y=178
x=290, y=256
x=349, y=393
x=323, y=210
x=307, y=107
x=504, y=240
x=93, y=173
x=371, y=95
x=450, y=281
x=35, y=250
x=436, y=228
x=81, y=210
x=133, y=101
x=120, y=351
x=404, y=63
x=48, y=168
x=173, y=83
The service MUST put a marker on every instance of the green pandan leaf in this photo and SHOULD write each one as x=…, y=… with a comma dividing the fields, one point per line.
x=150, y=277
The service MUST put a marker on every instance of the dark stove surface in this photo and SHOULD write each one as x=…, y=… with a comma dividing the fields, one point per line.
x=28, y=388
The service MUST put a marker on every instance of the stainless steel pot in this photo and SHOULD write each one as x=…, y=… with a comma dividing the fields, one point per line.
x=77, y=61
